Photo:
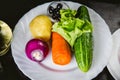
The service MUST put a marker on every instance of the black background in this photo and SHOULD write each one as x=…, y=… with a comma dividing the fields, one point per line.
x=10, y=12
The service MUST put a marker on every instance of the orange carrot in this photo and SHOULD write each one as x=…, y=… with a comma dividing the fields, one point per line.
x=61, y=53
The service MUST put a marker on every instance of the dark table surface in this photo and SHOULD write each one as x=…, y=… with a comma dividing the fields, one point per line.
x=12, y=10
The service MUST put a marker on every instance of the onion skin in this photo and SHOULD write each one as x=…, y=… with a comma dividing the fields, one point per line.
x=36, y=44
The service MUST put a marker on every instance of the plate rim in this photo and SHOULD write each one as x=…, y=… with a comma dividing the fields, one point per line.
x=109, y=67
x=49, y=3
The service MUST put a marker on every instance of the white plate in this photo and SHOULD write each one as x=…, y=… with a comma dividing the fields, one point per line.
x=48, y=70
x=114, y=63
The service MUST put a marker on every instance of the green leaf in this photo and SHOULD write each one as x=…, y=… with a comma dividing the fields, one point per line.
x=69, y=27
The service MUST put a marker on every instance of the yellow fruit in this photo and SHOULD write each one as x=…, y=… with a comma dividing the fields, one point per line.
x=40, y=27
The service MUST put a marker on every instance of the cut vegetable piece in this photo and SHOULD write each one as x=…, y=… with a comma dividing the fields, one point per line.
x=36, y=50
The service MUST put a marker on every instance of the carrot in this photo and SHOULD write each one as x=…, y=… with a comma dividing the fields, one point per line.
x=61, y=53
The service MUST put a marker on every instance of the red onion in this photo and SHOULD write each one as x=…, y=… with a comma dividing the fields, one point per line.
x=36, y=50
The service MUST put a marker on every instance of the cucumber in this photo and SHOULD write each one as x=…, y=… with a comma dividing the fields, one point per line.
x=84, y=51
x=83, y=46
x=82, y=13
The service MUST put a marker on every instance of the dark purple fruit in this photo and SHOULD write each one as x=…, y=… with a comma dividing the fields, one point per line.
x=55, y=11
x=59, y=6
x=51, y=9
